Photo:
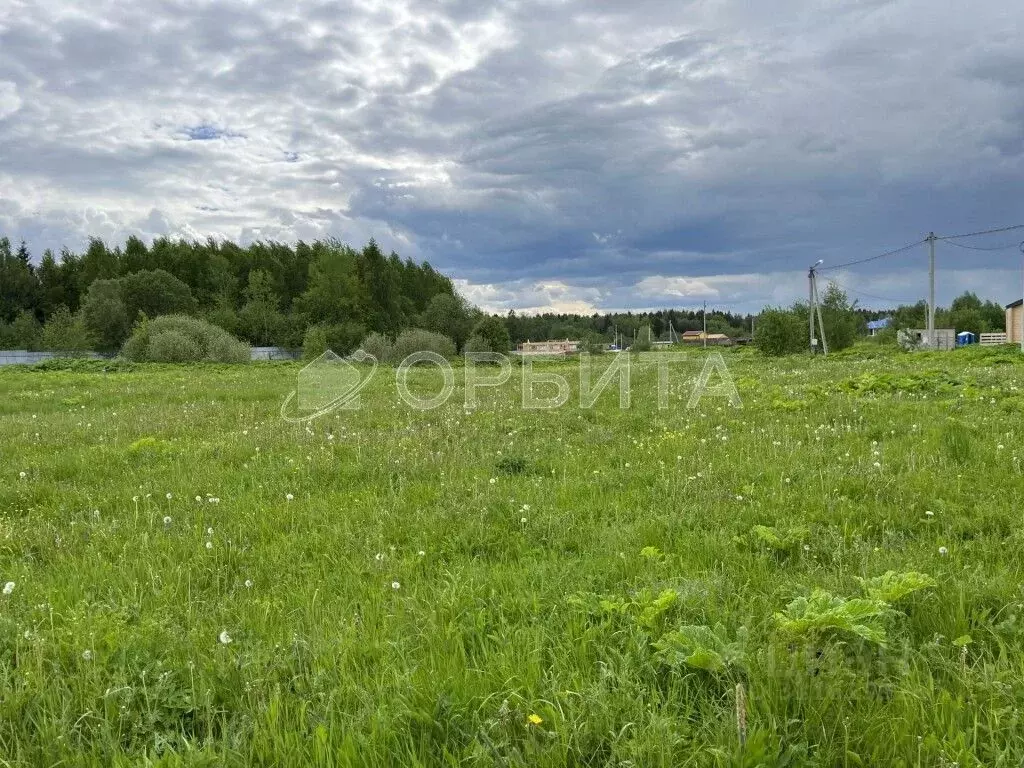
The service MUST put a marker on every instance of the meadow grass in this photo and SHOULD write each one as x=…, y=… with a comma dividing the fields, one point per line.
x=197, y=582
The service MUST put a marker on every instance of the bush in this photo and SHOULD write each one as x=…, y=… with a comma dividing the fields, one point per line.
x=179, y=338
x=105, y=314
x=154, y=293
x=314, y=343
x=419, y=340
x=378, y=345
x=173, y=347
x=65, y=332
x=23, y=332
x=476, y=343
x=495, y=331
x=780, y=332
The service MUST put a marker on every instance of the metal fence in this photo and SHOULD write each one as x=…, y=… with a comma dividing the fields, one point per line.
x=272, y=353
x=24, y=357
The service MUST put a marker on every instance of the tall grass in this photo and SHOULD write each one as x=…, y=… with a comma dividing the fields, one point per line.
x=499, y=587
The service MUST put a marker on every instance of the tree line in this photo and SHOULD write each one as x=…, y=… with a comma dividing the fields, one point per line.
x=781, y=331
x=328, y=295
x=264, y=293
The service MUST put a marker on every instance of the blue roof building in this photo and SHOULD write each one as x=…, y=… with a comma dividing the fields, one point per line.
x=874, y=326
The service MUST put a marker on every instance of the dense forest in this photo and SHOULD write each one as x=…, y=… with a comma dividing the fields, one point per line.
x=265, y=293
x=271, y=294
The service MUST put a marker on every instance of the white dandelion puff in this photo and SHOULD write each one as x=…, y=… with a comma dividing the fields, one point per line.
x=170, y=495
x=224, y=637
x=248, y=583
x=8, y=587
x=395, y=585
x=167, y=520
x=289, y=497
x=87, y=654
x=943, y=551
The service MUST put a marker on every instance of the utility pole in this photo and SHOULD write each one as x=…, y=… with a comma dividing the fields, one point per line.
x=705, y=314
x=821, y=322
x=931, y=289
x=811, y=296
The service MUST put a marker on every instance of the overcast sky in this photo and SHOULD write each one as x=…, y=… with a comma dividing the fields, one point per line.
x=566, y=154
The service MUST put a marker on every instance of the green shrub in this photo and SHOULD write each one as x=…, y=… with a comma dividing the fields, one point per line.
x=173, y=347
x=476, y=343
x=65, y=332
x=179, y=338
x=419, y=340
x=495, y=331
x=314, y=343
x=780, y=332
x=378, y=345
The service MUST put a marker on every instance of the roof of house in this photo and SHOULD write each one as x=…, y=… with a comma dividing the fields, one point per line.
x=1017, y=303
x=692, y=333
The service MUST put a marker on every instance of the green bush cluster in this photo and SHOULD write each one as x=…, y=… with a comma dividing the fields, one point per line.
x=183, y=339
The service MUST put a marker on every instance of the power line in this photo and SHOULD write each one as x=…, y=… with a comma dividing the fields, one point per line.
x=983, y=232
x=873, y=296
x=979, y=248
x=874, y=258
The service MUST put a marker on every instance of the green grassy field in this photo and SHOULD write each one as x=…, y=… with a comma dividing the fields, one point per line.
x=197, y=582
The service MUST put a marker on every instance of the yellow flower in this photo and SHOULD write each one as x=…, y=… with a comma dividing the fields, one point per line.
x=535, y=719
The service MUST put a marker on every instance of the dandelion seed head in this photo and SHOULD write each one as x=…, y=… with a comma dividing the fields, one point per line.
x=8, y=587
x=224, y=637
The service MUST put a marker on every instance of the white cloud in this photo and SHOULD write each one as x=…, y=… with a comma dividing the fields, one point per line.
x=10, y=101
x=681, y=287
x=589, y=147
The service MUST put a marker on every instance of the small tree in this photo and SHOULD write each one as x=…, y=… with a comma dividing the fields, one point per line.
x=476, y=343
x=448, y=315
x=842, y=323
x=105, y=314
x=154, y=293
x=780, y=332
x=495, y=332
x=65, y=332
x=26, y=333
x=314, y=343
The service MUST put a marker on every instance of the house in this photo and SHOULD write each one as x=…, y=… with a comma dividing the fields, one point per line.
x=698, y=337
x=566, y=347
x=874, y=326
x=1014, y=317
